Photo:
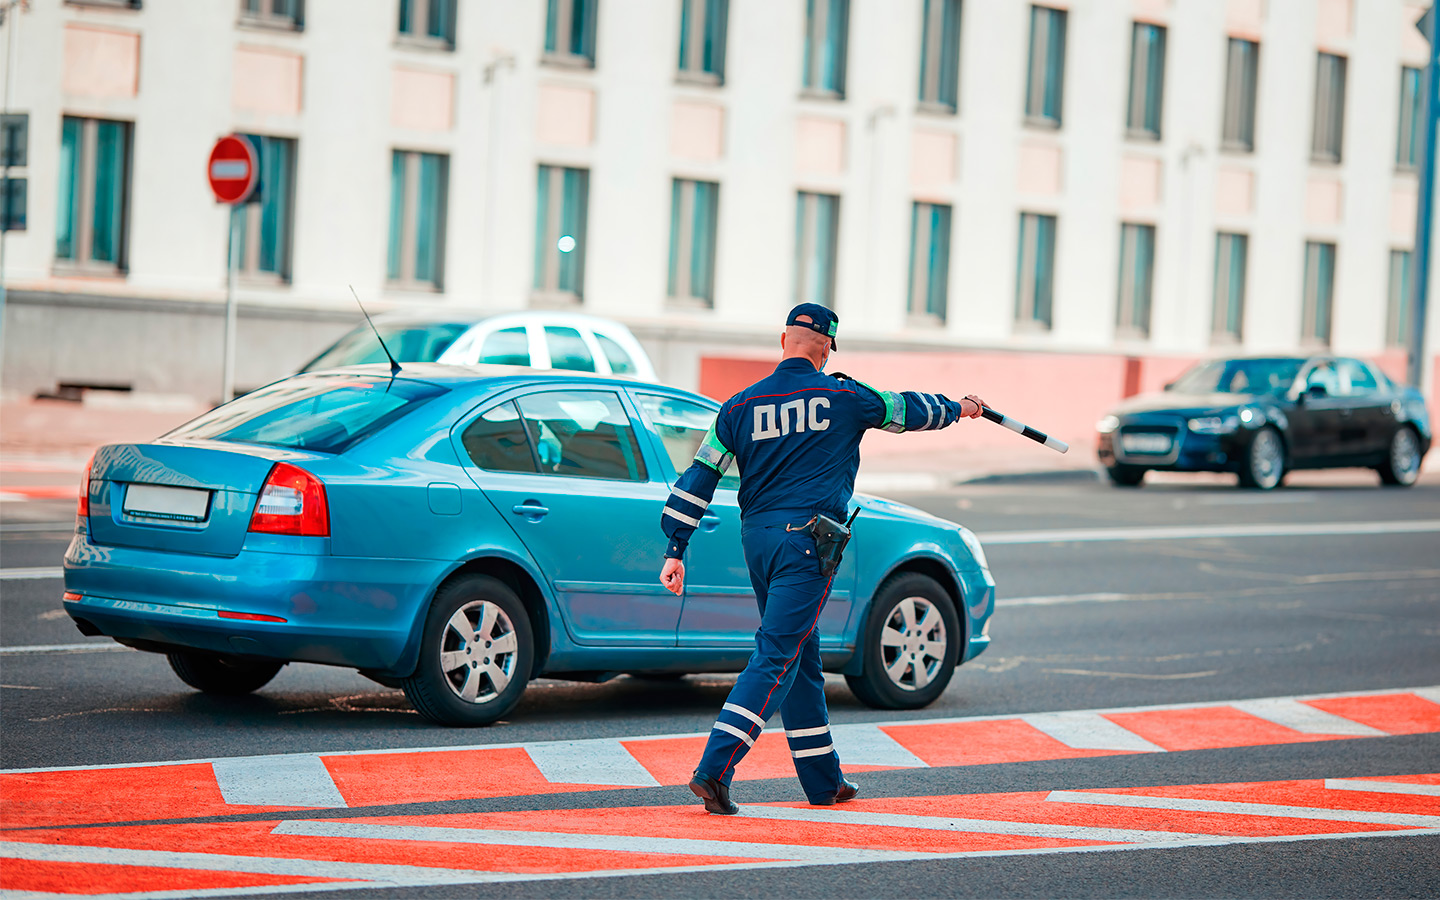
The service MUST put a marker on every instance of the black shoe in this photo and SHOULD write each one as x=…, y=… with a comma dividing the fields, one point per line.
x=848, y=790
x=716, y=795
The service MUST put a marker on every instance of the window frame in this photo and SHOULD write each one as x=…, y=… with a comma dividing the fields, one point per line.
x=730, y=481
x=712, y=14
x=1399, y=297
x=941, y=27
x=1135, y=295
x=548, y=259
x=919, y=293
x=1146, y=96
x=1319, y=256
x=82, y=259
x=1327, y=135
x=252, y=212
x=1410, y=133
x=266, y=16
x=1242, y=92
x=409, y=221
x=15, y=186
x=563, y=12
x=1037, y=89
x=1233, y=297
x=1030, y=243
x=807, y=241
x=816, y=36
x=682, y=259
x=420, y=13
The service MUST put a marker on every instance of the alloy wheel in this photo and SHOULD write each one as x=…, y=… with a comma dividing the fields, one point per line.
x=913, y=643
x=478, y=652
x=1405, y=456
x=1267, y=459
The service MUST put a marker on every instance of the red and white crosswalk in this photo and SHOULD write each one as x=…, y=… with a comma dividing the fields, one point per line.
x=124, y=829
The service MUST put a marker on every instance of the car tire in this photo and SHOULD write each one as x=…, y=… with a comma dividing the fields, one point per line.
x=1263, y=465
x=214, y=673
x=911, y=644
x=1401, y=467
x=476, y=652
x=1126, y=476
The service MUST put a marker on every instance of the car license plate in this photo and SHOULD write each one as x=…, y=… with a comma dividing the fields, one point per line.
x=156, y=502
x=1145, y=443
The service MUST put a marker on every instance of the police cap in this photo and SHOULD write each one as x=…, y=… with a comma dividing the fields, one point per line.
x=822, y=320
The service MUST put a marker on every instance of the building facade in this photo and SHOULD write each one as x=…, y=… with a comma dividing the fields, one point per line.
x=1132, y=178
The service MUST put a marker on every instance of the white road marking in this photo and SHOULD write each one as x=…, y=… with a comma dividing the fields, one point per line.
x=972, y=826
x=602, y=762
x=1304, y=718
x=867, y=745
x=1089, y=731
x=1138, y=801
x=1428, y=693
x=1192, y=532
x=580, y=841
x=1383, y=787
x=1059, y=599
x=88, y=647
x=31, y=574
x=291, y=779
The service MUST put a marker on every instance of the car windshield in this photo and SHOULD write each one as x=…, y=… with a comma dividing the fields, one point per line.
x=1239, y=376
x=409, y=341
x=327, y=413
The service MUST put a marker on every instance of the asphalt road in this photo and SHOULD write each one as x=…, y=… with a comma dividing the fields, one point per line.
x=1181, y=592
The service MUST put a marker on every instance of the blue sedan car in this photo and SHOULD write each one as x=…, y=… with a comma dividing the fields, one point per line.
x=458, y=531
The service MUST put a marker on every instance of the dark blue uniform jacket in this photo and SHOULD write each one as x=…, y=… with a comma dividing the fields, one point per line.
x=796, y=436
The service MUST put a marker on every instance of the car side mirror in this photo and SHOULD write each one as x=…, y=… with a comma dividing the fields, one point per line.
x=1313, y=392
x=1169, y=385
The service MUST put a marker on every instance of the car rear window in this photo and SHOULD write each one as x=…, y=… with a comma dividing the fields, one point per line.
x=327, y=413
x=620, y=362
x=409, y=342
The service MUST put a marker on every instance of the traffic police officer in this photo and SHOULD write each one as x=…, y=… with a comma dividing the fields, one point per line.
x=796, y=435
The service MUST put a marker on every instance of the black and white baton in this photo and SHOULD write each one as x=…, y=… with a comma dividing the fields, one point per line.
x=1038, y=437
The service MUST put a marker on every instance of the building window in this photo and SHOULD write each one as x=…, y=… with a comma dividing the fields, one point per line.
x=1231, y=254
x=1137, y=279
x=286, y=14
x=267, y=222
x=827, y=27
x=940, y=54
x=429, y=21
x=1045, y=81
x=1035, y=281
x=929, y=260
x=702, y=39
x=1319, y=292
x=1408, y=145
x=1325, y=143
x=1147, y=81
x=90, y=229
x=693, y=207
x=570, y=32
x=1397, y=324
x=817, y=228
x=14, y=156
x=1242, y=67
x=418, y=192
x=562, y=197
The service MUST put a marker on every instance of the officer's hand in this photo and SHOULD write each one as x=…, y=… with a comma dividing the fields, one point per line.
x=972, y=413
x=673, y=576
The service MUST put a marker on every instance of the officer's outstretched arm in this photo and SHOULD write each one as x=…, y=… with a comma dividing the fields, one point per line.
x=901, y=411
x=692, y=494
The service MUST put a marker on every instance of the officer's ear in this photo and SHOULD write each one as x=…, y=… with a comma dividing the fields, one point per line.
x=782, y=341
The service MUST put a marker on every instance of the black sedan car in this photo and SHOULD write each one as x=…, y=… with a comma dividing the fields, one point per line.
x=1262, y=417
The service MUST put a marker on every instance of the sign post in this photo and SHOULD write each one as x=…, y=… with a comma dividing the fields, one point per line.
x=234, y=172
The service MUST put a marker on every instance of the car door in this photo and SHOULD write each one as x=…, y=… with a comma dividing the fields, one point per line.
x=1367, y=421
x=565, y=469
x=1315, y=421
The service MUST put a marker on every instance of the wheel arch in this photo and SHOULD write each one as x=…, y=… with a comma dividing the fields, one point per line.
x=930, y=566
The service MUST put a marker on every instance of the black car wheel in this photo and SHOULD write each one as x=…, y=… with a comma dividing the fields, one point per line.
x=911, y=642
x=1263, y=466
x=217, y=674
x=1126, y=476
x=1402, y=463
x=475, y=653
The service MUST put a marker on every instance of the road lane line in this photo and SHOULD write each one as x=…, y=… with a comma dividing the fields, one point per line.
x=973, y=826
x=1191, y=532
x=87, y=647
x=31, y=574
x=867, y=745
x=291, y=779
x=1089, y=731
x=1139, y=801
x=1382, y=787
x=579, y=841
x=1304, y=718
x=602, y=761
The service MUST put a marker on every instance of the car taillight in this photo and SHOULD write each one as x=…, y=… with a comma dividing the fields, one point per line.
x=82, y=509
x=291, y=502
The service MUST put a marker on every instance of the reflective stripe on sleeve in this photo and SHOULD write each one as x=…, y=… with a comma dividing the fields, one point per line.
x=713, y=453
x=688, y=520
x=690, y=498
x=929, y=412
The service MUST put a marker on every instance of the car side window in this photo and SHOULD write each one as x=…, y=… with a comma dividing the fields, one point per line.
x=1323, y=376
x=568, y=350
x=681, y=426
x=497, y=441
x=1356, y=379
x=583, y=433
x=620, y=361
x=506, y=347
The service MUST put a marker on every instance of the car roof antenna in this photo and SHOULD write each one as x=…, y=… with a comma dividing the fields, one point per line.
x=394, y=366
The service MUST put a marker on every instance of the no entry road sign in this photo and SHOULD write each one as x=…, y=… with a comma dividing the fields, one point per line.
x=234, y=169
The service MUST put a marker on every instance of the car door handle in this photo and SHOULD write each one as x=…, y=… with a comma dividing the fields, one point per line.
x=530, y=510
x=709, y=522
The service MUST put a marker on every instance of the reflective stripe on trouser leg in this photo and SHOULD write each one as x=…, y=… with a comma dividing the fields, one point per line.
x=807, y=728
x=791, y=592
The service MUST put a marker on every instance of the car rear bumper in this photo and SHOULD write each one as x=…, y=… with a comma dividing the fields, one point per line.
x=334, y=610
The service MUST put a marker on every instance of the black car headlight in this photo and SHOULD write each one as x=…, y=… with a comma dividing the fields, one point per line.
x=1215, y=424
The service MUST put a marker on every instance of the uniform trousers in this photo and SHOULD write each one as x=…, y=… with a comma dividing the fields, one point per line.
x=784, y=671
